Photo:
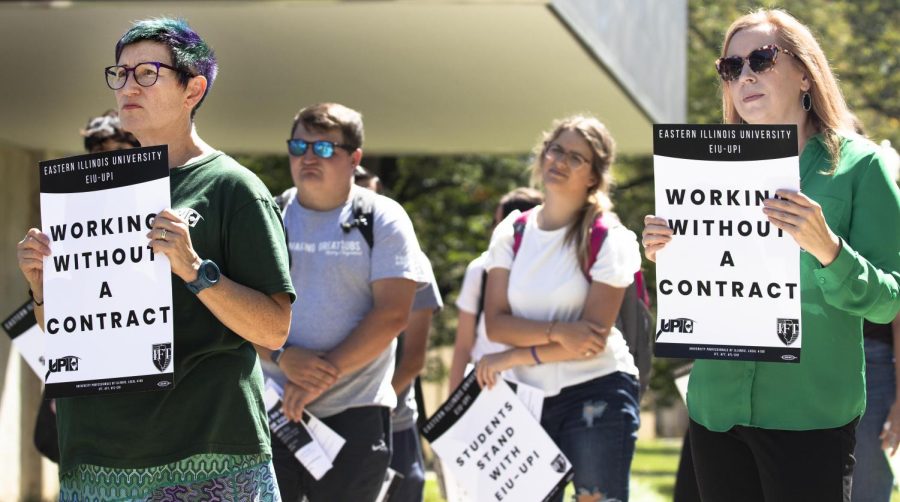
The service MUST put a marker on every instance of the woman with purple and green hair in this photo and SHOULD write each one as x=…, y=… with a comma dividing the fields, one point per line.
x=206, y=438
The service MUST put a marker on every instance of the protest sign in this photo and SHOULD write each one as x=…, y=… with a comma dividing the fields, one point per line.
x=728, y=284
x=107, y=296
x=389, y=487
x=530, y=396
x=494, y=447
x=27, y=337
x=314, y=444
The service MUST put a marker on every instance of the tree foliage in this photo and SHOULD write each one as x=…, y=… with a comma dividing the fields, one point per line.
x=860, y=39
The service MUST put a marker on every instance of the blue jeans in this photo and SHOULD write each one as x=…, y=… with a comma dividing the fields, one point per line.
x=406, y=458
x=872, y=479
x=595, y=425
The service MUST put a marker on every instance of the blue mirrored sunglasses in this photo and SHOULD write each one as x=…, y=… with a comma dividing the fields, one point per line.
x=322, y=148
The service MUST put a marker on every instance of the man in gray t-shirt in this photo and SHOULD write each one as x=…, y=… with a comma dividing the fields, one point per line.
x=353, y=299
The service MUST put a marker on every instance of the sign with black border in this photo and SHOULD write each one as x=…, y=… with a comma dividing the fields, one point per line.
x=108, y=318
x=728, y=284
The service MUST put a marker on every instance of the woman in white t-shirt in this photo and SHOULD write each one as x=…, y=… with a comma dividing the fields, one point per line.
x=561, y=324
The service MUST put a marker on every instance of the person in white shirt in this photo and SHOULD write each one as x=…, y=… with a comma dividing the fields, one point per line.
x=471, y=343
x=557, y=305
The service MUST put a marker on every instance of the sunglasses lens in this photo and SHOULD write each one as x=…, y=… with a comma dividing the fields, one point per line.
x=297, y=147
x=324, y=149
x=762, y=59
x=730, y=67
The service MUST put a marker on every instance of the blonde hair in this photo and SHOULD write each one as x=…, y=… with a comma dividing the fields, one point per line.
x=829, y=113
x=603, y=149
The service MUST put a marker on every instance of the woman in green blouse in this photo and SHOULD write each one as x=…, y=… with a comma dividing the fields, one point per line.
x=770, y=431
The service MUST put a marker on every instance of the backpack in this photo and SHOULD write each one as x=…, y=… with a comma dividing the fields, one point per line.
x=481, y=298
x=362, y=210
x=635, y=320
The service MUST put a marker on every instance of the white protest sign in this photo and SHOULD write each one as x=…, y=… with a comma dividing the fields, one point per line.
x=295, y=436
x=389, y=487
x=728, y=284
x=27, y=337
x=330, y=441
x=494, y=447
x=530, y=396
x=107, y=296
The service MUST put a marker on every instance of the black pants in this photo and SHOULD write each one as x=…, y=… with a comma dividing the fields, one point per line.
x=755, y=465
x=686, y=489
x=46, y=436
x=359, y=468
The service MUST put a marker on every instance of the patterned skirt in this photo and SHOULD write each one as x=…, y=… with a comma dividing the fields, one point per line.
x=205, y=477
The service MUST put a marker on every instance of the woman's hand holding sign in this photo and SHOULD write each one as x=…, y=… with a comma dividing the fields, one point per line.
x=30, y=253
x=795, y=213
x=491, y=365
x=655, y=236
x=802, y=218
x=171, y=236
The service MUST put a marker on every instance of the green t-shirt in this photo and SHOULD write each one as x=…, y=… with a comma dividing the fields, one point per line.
x=216, y=404
x=861, y=204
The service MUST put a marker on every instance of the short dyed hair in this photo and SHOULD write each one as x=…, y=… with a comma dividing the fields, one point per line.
x=191, y=56
x=104, y=128
x=325, y=117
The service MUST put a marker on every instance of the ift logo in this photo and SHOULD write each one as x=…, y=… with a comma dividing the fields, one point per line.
x=65, y=363
x=162, y=355
x=679, y=325
x=788, y=330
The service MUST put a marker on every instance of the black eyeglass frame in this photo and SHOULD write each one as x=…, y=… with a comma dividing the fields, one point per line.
x=157, y=64
x=776, y=49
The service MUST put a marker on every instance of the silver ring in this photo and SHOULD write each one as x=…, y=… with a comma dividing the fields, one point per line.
x=162, y=234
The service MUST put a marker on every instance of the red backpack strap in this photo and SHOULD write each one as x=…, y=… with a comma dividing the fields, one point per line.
x=519, y=231
x=598, y=235
x=641, y=288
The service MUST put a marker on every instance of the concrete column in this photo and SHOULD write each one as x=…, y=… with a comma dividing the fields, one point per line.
x=24, y=476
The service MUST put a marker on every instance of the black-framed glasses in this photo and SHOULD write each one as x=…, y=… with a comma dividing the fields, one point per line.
x=760, y=60
x=323, y=149
x=145, y=74
x=573, y=160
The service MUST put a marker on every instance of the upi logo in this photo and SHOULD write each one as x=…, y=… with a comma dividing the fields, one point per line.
x=65, y=363
x=679, y=325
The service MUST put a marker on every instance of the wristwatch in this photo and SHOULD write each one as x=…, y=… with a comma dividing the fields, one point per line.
x=207, y=275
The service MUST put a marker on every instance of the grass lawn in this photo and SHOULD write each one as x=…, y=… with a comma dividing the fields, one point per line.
x=652, y=473
x=653, y=469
